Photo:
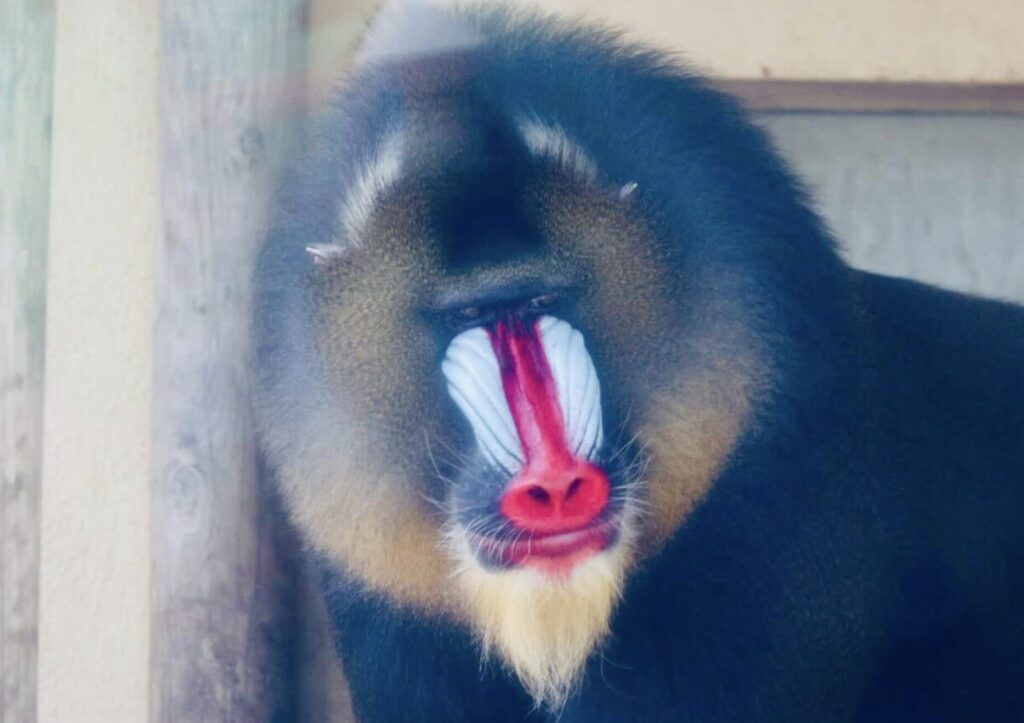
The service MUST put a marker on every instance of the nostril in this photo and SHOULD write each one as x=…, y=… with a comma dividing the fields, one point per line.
x=539, y=494
x=555, y=502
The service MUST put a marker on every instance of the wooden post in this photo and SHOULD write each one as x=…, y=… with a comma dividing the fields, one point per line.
x=232, y=74
x=26, y=97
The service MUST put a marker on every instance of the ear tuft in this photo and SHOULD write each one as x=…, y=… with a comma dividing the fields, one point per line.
x=626, y=191
x=323, y=254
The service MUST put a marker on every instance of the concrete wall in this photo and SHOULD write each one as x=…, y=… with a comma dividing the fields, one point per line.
x=936, y=198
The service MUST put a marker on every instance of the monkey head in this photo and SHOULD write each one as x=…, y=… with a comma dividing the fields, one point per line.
x=508, y=341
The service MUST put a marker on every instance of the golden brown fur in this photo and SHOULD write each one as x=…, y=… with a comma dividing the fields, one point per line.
x=370, y=499
x=369, y=505
x=691, y=418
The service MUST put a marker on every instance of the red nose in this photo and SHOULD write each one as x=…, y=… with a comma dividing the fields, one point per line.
x=549, y=503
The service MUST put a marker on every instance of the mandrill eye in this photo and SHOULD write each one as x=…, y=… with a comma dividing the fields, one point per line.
x=469, y=313
x=541, y=303
x=466, y=315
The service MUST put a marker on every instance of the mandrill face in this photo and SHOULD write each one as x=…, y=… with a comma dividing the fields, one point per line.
x=489, y=380
x=467, y=333
x=487, y=311
x=539, y=493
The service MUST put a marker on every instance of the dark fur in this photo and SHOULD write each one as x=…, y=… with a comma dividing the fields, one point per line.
x=861, y=555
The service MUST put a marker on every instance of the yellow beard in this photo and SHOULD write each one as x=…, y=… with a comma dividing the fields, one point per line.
x=543, y=627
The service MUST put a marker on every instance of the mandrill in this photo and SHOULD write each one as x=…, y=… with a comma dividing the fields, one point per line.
x=582, y=417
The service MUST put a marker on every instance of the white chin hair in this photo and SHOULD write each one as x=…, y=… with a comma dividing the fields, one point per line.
x=543, y=627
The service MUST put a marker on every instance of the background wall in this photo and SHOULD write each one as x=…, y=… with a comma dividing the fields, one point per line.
x=904, y=40
x=94, y=605
x=147, y=198
x=933, y=197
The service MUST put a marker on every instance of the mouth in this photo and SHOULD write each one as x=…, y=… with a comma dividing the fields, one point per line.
x=556, y=554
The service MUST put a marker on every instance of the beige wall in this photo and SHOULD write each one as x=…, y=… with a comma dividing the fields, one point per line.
x=905, y=40
x=896, y=40
x=94, y=583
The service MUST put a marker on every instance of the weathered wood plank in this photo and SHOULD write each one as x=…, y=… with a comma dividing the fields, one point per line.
x=232, y=72
x=26, y=97
x=876, y=97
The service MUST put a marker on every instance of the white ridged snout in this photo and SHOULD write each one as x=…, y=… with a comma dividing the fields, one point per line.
x=475, y=384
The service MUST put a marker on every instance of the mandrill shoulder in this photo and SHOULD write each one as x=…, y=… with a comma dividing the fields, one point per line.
x=951, y=367
x=947, y=375
x=947, y=372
